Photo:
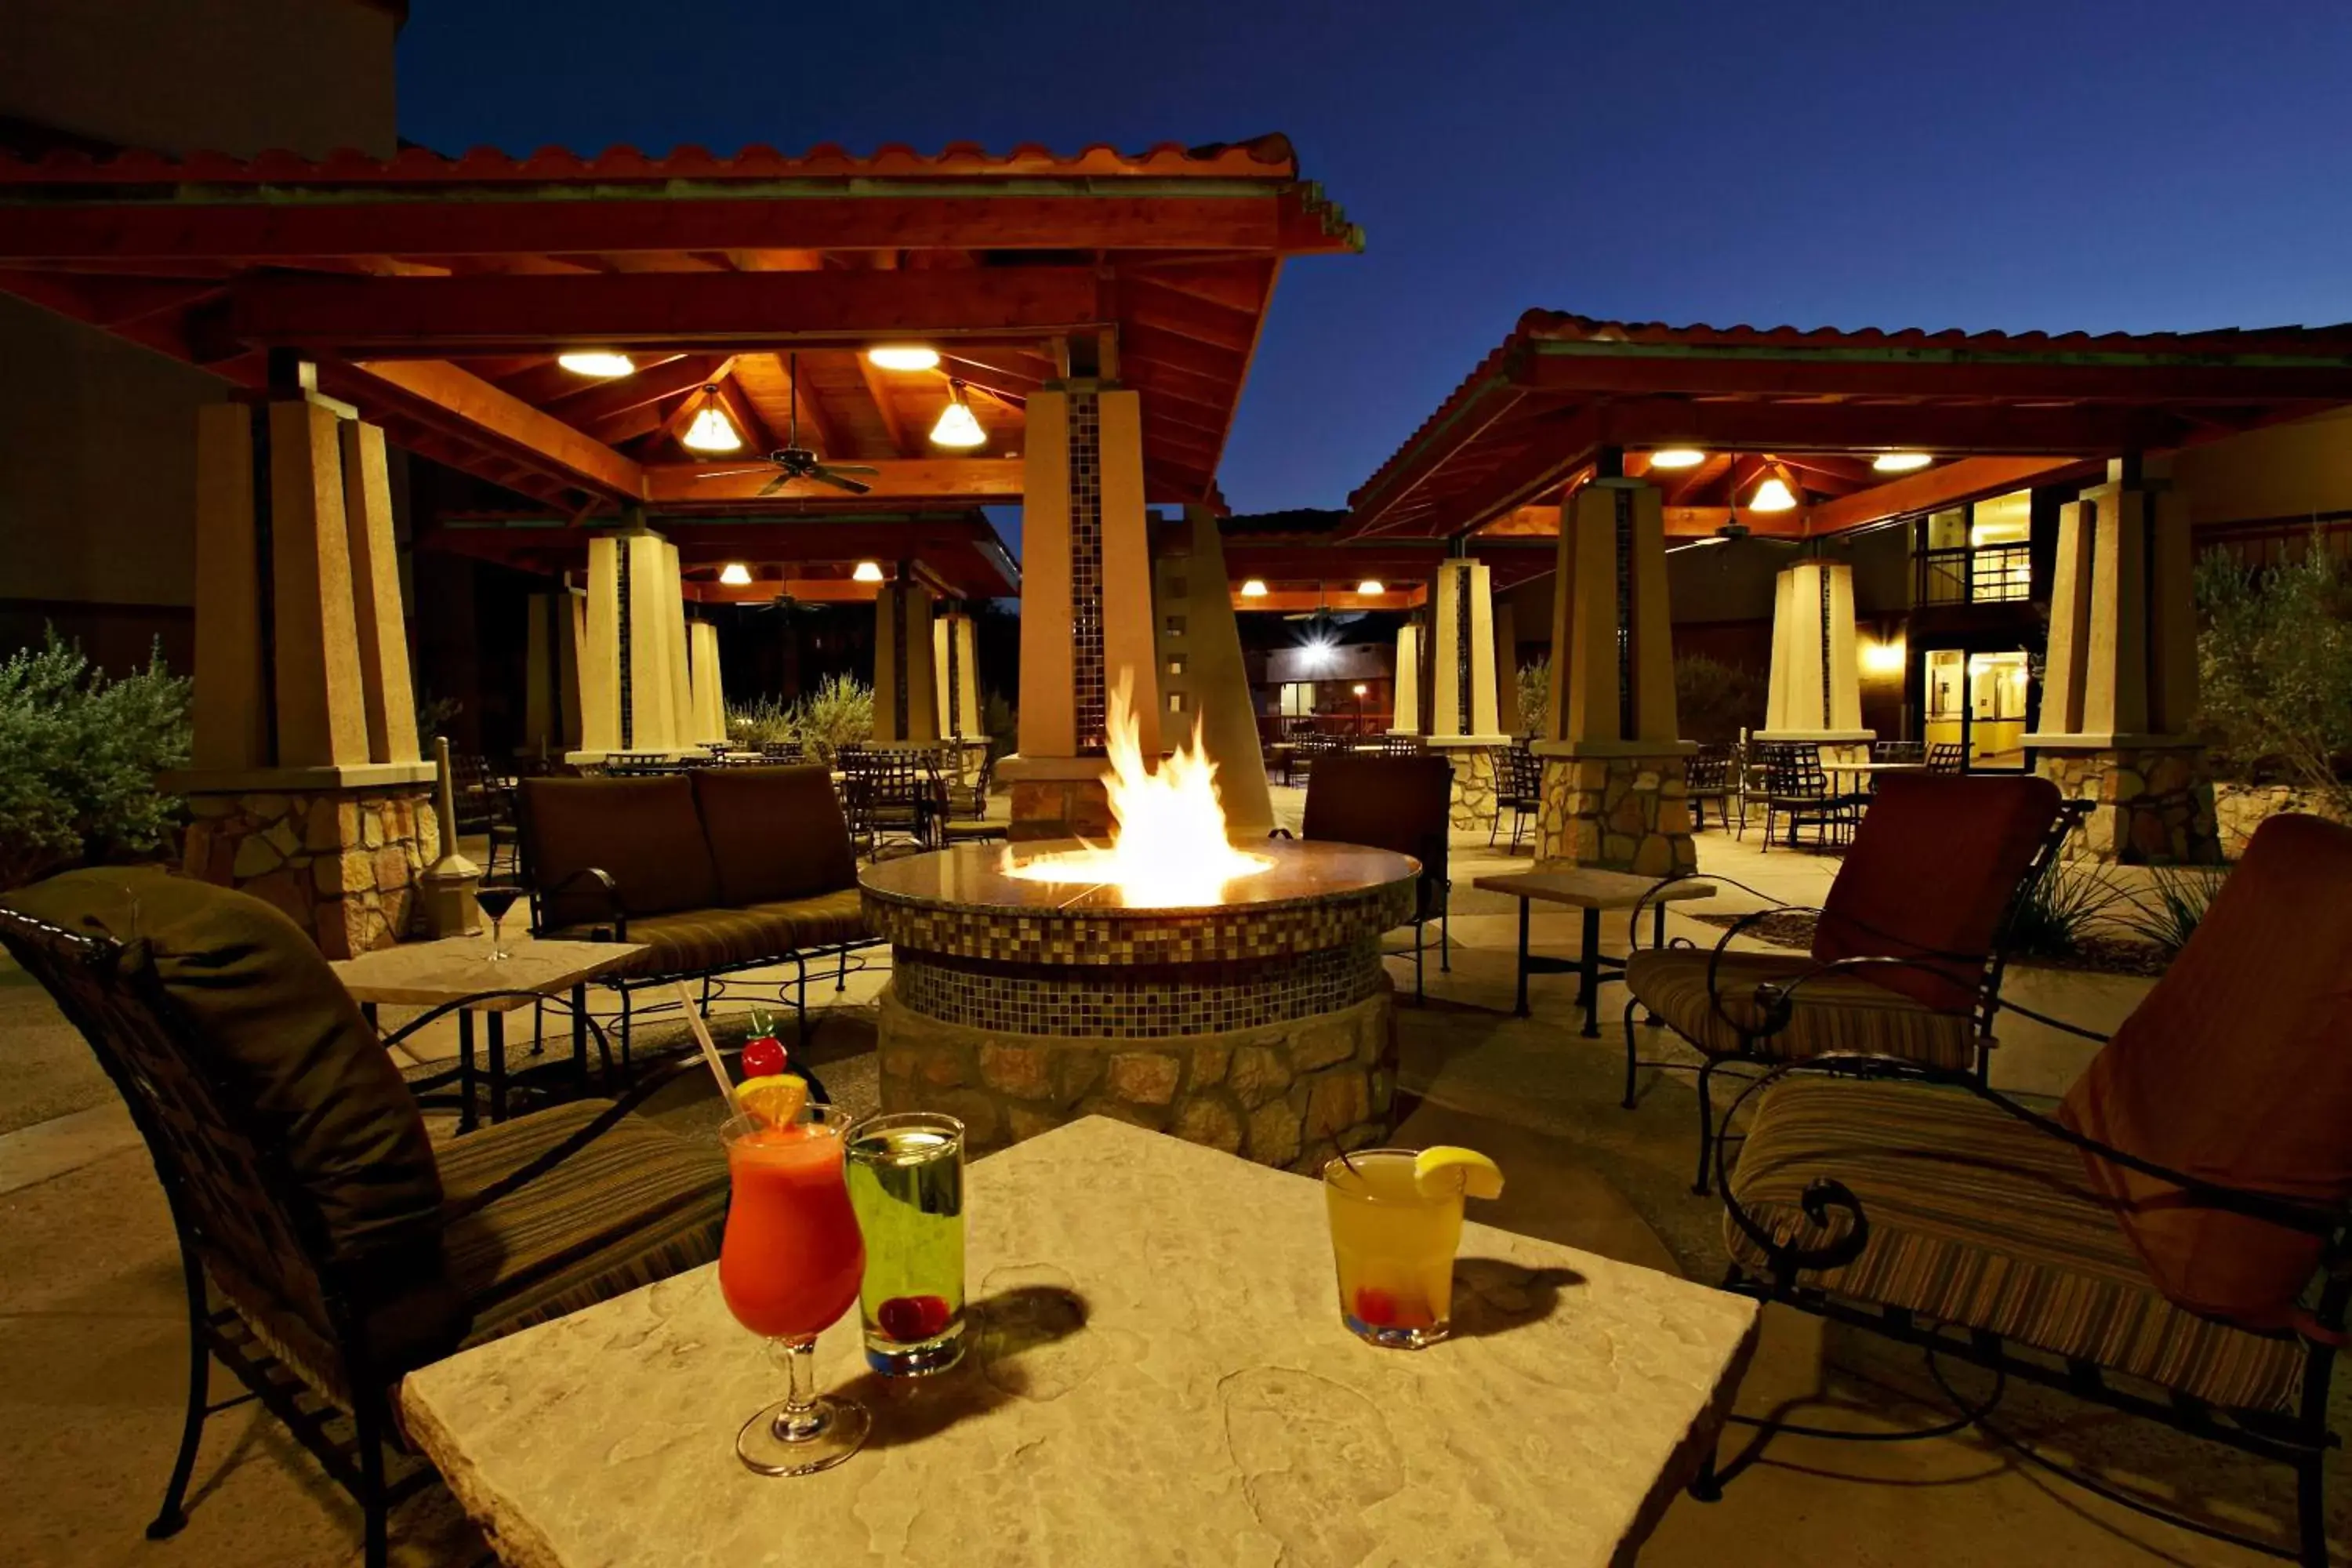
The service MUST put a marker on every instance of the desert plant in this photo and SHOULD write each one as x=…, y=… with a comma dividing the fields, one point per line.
x=838, y=713
x=998, y=717
x=2058, y=912
x=1715, y=701
x=78, y=756
x=758, y=722
x=2274, y=666
x=2165, y=914
x=1535, y=695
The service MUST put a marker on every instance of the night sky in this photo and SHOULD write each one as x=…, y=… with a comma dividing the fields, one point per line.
x=2052, y=166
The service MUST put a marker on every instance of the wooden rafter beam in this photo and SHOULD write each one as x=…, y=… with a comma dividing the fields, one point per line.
x=971, y=480
x=1946, y=484
x=886, y=407
x=437, y=394
x=589, y=409
x=435, y=317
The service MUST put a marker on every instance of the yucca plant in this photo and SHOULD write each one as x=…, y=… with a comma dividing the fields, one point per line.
x=2059, y=910
x=1535, y=694
x=2166, y=915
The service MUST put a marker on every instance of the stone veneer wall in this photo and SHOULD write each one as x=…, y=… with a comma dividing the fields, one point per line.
x=2151, y=806
x=1290, y=1094
x=1616, y=814
x=2240, y=808
x=1059, y=808
x=1473, y=785
x=343, y=863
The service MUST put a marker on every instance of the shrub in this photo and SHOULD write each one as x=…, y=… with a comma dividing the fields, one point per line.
x=1535, y=695
x=2274, y=666
x=78, y=756
x=1715, y=701
x=2166, y=914
x=759, y=722
x=838, y=713
x=2059, y=910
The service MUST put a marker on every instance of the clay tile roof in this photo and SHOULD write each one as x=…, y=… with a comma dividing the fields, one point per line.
x=1263, y=157
x=1567, y=326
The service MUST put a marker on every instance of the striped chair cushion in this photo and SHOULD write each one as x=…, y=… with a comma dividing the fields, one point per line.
x=1979, y=1219
x=692, y=941
x=639, y=1204
x=1835, y=1013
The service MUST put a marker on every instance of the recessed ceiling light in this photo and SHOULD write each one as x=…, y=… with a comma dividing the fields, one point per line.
x=735, y=574
x=904, y=357
x=596, y=362
x=1372, y=585
x=867, y=572
x=1254, y=589
x=1678, y=457
x=1900, y=462
x=1773, y=495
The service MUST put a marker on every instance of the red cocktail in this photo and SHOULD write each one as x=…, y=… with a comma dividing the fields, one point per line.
x=790, y=1265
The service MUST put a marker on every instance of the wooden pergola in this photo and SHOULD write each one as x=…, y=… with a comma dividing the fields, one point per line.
x=432, y=295
x=1565, y=393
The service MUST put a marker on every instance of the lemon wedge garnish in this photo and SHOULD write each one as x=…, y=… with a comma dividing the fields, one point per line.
x=775, y=1099
x=1445, y=1169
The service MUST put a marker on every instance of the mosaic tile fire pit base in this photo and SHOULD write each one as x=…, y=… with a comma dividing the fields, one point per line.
x=1262, y=1024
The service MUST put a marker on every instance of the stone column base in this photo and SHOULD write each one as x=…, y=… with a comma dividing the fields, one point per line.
x=1615, y=813
x=1473, y=779
x=342, y=862
x=1288, y=1094
x=2151, y=802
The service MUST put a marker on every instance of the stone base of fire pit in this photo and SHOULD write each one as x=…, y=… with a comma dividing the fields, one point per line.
x=1261, y=1025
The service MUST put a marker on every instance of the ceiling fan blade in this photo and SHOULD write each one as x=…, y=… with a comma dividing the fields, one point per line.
x=826, y=476
x=725, y=473
x=853, y=467
x=772, y=486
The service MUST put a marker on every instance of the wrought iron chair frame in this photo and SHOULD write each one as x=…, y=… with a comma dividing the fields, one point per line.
x=276, y=1202
x=2300, y=1439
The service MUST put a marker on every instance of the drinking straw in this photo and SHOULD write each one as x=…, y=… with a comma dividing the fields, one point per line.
x=709, y=1048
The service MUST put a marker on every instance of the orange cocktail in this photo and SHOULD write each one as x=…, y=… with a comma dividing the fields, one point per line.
x=789, y=1267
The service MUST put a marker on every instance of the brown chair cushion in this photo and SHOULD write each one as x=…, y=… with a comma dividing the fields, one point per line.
x=281, y=1033
x=692, y=941
x=1932, y=870
x=2237, y=1068
x=774, y=833
x=643, y=833
x=1403, y=804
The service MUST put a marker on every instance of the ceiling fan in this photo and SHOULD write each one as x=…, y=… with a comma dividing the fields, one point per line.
x=794, y=461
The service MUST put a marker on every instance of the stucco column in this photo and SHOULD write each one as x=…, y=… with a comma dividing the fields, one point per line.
x=1203, y=683
x=556, y=626
x=1506, y=670
x=307, y=789
x=1086, y=604
x=1405, y=719
x=1616, y=788
x=709, y=693
x=906, y=691
x=2119, y=682
x=1816, y=687
x=1463, y=721
x=955, y=673
x=633, y=688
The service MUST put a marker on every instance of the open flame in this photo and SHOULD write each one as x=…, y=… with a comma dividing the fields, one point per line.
x=1168, y=846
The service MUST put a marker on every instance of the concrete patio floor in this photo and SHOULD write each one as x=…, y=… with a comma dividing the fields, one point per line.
x=91, y=1360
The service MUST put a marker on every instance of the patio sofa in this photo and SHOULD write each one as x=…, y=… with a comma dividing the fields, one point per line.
x=2172, y=1244
x=714, y=872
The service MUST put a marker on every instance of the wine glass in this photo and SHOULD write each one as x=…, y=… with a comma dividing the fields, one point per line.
x=790, y=1265
x=495, y=899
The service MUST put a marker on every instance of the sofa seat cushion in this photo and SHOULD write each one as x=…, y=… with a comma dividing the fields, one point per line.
x=774, y=833
x=641, y=832
x=1979, y=1219
x=637, y=1205
x=693, y=940
x=1835, y=1013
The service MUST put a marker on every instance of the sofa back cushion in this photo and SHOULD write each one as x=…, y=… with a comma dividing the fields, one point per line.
x=774, y=833
x=1403, y=804
x=1932, y=870
x=643, y=833
x=2237, y=1069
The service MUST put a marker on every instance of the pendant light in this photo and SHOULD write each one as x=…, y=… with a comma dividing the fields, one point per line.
x=710, y=430
x=958, y=427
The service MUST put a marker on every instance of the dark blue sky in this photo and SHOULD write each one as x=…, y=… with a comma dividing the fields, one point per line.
x=2159, y=164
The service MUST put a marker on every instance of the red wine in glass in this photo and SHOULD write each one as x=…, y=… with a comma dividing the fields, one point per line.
x=494, y=902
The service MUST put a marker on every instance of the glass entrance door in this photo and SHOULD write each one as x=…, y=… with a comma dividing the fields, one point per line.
x=1976, y=702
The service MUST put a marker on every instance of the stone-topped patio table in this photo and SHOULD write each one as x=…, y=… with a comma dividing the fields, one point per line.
x=1591, y=891
x=1159, y=1376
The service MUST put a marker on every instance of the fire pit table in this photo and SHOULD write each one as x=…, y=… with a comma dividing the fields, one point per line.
x=1258, y=1022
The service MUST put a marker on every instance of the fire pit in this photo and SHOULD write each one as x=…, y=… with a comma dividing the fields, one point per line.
x=1256, y=1020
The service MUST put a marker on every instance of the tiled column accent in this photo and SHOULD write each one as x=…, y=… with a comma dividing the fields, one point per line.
x=308, y=790
x=1616, y=814
x=1615, y=785
x=1086, y=604
x=2151, y=805
x=906, y=693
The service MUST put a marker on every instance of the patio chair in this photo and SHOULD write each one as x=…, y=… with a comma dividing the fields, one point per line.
x=485, y=805
x=1519, y=780
x=1898, y=751
x=1907, y=951
x=1401, y=746
x=2180, y=1222
x=888, y=795
x=1709, y=772
x=328, y=1246
x=1403, y=804
x=780, y=751
x=1947, y=757
x=1797, y=791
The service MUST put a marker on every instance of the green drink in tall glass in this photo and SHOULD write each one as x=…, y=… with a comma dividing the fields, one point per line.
x=905, y=1183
